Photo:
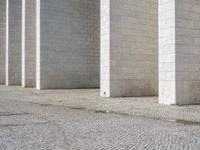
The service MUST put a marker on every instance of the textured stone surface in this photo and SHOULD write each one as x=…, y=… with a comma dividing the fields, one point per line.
x=13, y=42
x=29, y=43
x=167, y=91
x=179, y=51
x=68, y=51
x=129, y=48
x=105, y=47
x=90, y=100
x=37, y=125
x=68, y=46
x=2, y=41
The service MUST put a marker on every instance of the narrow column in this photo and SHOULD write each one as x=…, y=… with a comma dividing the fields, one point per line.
x=105, y=47
x=2, y=41
x=129, y=51
x=167, y=80
x=13, y=42
x=179, y=51
x=28, y=43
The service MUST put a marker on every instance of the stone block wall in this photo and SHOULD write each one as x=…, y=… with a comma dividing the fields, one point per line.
x=28, y=43
x=2, y=41
x=179, y=51
x=56, y=44
x=132, y=51
x=68, y=47
x=187, y=51
x=13, y=42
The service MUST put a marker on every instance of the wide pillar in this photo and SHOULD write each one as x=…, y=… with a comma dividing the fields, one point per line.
x=2, y=41
x=13, y=42
x=179, y=51
x=129, y=51
x=28, y=43
x=68, y=51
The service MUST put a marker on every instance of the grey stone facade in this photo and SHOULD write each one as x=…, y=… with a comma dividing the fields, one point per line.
x=2, y=41
x=129, y=48
x=179, y=49
x=54, y=44
x=28, y=43
x=69, y=44
x=13, y=48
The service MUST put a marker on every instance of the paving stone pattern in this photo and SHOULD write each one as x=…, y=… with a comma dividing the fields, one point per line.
x=58, y=120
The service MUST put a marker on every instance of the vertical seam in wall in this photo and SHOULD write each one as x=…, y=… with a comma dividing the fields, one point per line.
x=23, y=44
x=38, y=53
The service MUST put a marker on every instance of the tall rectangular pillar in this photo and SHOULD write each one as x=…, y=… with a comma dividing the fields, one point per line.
x=28, y=43
x=105, y=47
x=2, y=41
x=13, y=42
x=129, y=51
x=179, y=51
x=67, y=44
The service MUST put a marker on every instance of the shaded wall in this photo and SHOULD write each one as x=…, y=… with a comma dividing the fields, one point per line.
x=13, y=42
x=2, y=41
x=179, y=51
x=68, y=50
x=29, y=43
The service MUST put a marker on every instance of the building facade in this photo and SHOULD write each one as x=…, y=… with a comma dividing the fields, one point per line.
x=127, y=48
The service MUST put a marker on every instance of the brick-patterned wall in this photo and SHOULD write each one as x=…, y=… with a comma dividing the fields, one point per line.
x=2, y=41
x=29, y=44
x=133, y=48
x=69, y=44
x=179, y=51
x=13, y=48
x=187, y=51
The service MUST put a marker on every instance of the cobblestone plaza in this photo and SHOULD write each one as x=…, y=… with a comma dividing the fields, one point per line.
x=131, y=48
x=81, y=120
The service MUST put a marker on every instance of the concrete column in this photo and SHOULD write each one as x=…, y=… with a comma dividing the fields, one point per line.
x=28, y=43
x=2, y=41
x=179, y=51
x=129, y=51
x=68, y=49
x=13, y=42
x=105, y=47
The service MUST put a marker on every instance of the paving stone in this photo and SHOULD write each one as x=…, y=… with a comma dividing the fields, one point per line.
x=68, y=119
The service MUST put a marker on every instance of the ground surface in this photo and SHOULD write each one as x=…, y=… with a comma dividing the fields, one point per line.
x=81, y=120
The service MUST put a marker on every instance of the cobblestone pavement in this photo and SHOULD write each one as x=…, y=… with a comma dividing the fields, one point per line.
x=81, y=120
